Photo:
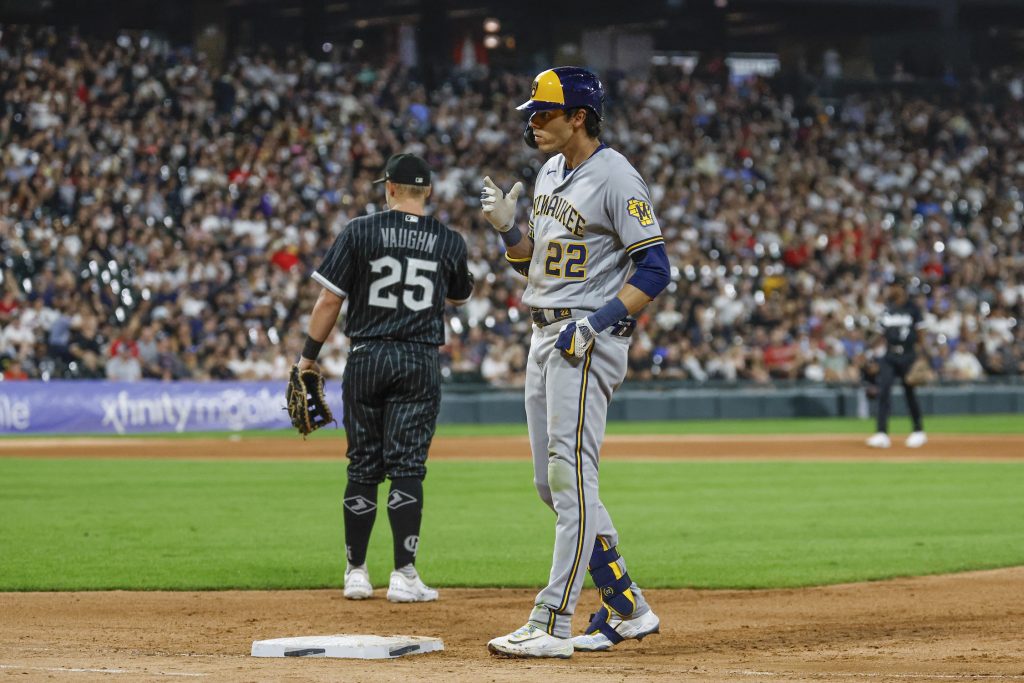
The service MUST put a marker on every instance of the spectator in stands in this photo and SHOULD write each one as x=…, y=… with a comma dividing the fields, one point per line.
x=124, y=367
x=963, y=364
x=147, y=348
x=89, y=366
x=10, y=304
x=781, y=356
x=837, y=366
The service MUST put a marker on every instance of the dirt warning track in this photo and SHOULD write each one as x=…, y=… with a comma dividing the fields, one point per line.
x=652, y=447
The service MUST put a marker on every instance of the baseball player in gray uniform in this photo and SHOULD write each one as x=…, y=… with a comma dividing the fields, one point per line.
x=594, y=256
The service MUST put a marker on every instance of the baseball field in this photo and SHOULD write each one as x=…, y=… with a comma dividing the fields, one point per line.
x=772, y=551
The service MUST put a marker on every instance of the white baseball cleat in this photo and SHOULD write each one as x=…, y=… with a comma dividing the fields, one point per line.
x=879, y=440
x=357, y=584
x=916, y=439
x=625, y=629
x=403, y=589
x=530, y=641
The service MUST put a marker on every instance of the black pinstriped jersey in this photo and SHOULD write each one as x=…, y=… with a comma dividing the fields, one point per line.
x=899, y=326
x=396, y=269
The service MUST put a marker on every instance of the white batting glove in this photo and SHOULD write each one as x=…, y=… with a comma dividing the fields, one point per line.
x=575, y=338
x=499, y=208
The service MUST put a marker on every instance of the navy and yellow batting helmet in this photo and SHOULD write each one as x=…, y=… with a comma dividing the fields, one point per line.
x=565, y=87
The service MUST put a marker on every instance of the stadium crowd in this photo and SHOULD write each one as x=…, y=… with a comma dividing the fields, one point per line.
x=160, y=218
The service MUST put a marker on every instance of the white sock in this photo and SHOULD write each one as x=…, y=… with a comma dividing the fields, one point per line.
x=408, y=571
x=349, y=568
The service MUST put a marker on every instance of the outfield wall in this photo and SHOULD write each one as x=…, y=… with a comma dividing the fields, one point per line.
x=99, y=407
x=746, y=403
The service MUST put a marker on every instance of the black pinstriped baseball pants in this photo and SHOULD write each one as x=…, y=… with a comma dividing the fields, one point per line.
x=392, y=394
x=891, y=368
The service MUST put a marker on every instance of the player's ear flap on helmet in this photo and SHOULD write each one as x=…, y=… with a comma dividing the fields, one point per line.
x=529, y=138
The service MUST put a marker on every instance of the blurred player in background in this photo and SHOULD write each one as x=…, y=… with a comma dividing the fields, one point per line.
x=900, y=326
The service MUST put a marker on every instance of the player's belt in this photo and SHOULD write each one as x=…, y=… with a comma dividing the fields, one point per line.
x=543, y=317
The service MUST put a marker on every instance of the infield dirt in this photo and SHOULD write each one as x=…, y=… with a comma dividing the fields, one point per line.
x=942, y=628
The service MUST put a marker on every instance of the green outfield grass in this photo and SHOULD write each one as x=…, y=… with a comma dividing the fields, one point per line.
x=1009, y=423
x=174, y=524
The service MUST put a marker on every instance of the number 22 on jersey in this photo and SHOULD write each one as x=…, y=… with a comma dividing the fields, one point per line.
x=391, y=273
x=566, y=260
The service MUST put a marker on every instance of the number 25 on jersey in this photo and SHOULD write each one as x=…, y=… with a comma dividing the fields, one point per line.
x=566, y=260
x=415, y=283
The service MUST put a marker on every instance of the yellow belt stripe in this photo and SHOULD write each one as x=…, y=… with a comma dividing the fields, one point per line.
x=644, y=243
x=579, y=481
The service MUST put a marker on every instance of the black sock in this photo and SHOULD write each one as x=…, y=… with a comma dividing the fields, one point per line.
x=360, y=512
x=914, y=408
x=405, y=510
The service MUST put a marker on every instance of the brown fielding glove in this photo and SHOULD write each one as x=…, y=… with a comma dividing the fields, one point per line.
x=307, y=406
x=920, y=373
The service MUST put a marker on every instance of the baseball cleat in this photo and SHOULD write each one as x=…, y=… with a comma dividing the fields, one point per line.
x=916, y=440
x=357, y=584
x=879, y=440
x=530, y=641
x=403, y=589
x=637, y=628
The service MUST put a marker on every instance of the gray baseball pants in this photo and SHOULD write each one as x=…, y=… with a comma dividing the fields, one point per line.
x=566, y=412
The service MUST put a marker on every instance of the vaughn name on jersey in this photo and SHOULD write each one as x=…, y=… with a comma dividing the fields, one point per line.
x=404, y=238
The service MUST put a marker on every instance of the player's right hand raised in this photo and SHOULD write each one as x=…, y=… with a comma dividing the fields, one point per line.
x=499, y=208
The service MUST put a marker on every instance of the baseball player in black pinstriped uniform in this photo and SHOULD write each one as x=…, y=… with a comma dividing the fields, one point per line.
x=901, y=326
x=396, y=268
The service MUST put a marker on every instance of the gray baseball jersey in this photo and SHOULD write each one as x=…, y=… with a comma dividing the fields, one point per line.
x=585, y=224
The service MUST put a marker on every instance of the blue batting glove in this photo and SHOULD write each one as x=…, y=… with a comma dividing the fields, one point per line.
x=575, y=338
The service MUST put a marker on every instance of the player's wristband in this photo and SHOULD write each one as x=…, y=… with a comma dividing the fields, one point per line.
x=609, y=314
x=311, y=349
x=512, y=236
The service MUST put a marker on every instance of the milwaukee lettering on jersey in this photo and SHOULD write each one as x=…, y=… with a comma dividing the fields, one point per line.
x=400, y=238
x=561, y=210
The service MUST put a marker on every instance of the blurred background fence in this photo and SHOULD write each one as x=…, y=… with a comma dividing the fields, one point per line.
x=105, y=407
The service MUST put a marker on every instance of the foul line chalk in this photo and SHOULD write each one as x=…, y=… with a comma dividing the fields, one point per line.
x=78, y=670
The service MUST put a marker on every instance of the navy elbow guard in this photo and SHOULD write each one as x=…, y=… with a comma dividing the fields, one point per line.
x=652, y=271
